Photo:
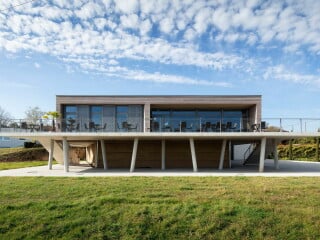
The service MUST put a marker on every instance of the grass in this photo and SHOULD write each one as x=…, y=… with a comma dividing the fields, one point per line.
x=4, y=151
x=14, y=165
x=19, y=164
x=159, y=208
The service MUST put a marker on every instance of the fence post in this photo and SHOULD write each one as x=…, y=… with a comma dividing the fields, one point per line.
x=317, y=149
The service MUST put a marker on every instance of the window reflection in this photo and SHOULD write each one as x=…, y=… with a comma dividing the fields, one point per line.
x=207, y=120
x=96, y=114
x=71, y=112
x=122, y=116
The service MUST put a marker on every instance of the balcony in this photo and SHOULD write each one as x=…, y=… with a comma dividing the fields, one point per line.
x=176, y=125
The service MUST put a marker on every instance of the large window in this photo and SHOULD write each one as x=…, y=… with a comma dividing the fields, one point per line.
x=96, y=114
x=71, y=112
x=206, y=120
x=122, y=115
x=188, y=117
x=232, y=119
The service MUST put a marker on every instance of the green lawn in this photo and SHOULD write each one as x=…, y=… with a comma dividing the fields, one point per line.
x=12, y=150
x=159, y=208
x=13, y=165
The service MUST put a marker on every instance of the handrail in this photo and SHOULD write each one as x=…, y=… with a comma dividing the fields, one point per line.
x=249, y=150
x=168, y=124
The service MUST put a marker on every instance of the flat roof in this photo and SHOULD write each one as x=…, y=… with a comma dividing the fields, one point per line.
x=155, y=96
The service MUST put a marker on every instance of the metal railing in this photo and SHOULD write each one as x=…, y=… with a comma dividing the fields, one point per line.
x=66, y=125
x=165, y=124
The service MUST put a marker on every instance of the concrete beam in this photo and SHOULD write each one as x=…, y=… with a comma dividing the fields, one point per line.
x=222, y=153
x=65, y=147
x=104, y=154
x=275, y=154
x=262, y=154
x=134, y=154
x=193, y=155
x=51, y=154
x=163, y=154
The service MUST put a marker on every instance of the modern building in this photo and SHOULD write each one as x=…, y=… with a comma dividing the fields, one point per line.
x=157, y=132
x=155, y=115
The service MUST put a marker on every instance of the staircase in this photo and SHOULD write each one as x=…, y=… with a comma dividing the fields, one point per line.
x=252, y=155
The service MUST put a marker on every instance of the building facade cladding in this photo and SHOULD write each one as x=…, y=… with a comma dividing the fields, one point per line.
x=141, y=111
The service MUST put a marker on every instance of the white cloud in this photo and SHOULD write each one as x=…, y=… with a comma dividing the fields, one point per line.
x=279, y=72
x=95, y=65
x=128, y=30
x=190, y=34
x=166, y=25
x=202, y=20
x=89, y=10
x=127, y=6
x=145, y=27
x=130, y=21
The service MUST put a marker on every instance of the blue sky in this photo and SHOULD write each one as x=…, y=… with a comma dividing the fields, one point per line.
x=268, y=48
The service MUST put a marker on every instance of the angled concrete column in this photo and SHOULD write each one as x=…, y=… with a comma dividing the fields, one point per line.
x=65, y=147
x=134, y=154
x=96, y=156
x=223, y=150
x=275, y=154
x=193, y=155
x=104, y=154
x=163, y=154
x=262, y=154
x=51, y=154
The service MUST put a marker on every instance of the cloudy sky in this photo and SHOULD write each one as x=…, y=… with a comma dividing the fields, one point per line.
x=221, y=47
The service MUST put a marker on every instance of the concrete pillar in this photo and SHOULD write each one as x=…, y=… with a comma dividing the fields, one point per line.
x=163, y=154
x=134, y=154
x=222, y=153
x=65, y=147
x=104, y=154
x=262, y=154
x=193, y=155
x=96, y=156
x=275, y=154
x=51, y=154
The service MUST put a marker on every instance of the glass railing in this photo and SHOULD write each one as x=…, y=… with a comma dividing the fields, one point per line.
x=296, y=125
x=194, y=125
x=68, y=125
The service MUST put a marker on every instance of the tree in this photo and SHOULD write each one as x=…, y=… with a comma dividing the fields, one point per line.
x=53, y=115
x=33, y=115
x=4, y=117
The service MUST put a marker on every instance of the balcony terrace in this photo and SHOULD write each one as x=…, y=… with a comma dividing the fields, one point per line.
x=162, y=125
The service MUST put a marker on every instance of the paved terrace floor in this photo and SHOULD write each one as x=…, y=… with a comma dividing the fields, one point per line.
x=287, y=169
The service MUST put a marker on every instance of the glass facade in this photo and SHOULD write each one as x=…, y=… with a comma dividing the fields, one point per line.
x=121, y=116
x=195, y=120
x=71, y=112
x=96, y=114
x=130, y=118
